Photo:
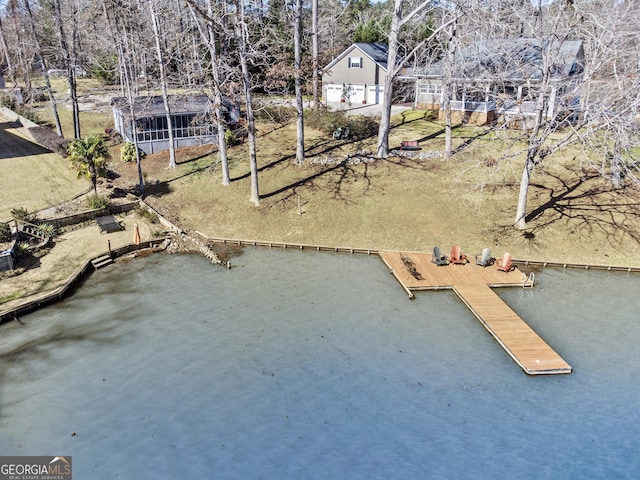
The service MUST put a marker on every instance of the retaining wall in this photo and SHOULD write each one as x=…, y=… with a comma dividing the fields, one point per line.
x=64, y=290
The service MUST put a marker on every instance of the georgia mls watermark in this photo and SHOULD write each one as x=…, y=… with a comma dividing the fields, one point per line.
x=35, y=468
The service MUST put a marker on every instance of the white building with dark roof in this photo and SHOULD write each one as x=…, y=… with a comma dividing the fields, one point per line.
x=192, y=118
x=357, y=75
x=502, y=78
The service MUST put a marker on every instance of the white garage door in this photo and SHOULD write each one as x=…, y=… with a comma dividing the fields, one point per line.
x=334, y=93
x=357, y=94
x=354, y=93
x=375, y=93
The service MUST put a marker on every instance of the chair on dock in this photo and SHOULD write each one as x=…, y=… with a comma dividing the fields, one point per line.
x=438, y=257
x=484, y=259
x=457, y=257
x=504, y=264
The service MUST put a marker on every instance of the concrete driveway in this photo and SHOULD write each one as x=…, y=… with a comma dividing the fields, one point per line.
x=14, y=138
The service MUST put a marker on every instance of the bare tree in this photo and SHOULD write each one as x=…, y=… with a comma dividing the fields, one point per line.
x=120, y=23
x=315, y=53
x=567, y=99
x=398, y=20
x=210, y=38
x=7, y=56
x=164, y=84
x=447, y=85
x=297, y=41
x=67, y=50
x=45, y=70
x=242, y=39
x=608, y=114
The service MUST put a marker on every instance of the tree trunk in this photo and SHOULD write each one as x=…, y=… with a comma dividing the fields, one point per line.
x=297, y=41
x=7, y=57
x=69, y=67
x=73, y=56
x=23, y=57
x=447, y=91
x=397, y=21
x=163, y=84
x=241, y=37
x=215, y=71
x=127, y=81
x=521, y=210
x=315, y=53
x=47, y=80
x=385, y=117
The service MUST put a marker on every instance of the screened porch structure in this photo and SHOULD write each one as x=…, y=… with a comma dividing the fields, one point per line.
x=192, y=119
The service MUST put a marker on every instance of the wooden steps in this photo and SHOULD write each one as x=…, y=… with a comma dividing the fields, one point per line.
x=102, y=261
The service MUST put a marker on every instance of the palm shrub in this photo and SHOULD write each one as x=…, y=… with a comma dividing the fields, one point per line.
x=89, y=157
x=21, y=249
x=47, y=230
x=128, y=152
x=23, y=215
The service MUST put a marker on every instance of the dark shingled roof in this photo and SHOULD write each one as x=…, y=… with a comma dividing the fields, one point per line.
x=515, y=59
x=154, y=106
x=377, y=51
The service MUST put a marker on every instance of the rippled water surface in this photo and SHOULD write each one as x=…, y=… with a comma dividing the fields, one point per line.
x=307, y=365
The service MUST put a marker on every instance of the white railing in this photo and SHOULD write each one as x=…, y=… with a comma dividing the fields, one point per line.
x=457, y=105
x=515, y=108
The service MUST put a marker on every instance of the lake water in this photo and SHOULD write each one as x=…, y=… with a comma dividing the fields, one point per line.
x=307, y=365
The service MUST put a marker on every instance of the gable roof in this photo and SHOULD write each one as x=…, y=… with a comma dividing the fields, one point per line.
x=511, y=59
x=153, y=106
x=376, y=52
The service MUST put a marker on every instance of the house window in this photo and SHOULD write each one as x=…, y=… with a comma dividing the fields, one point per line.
x=355, y=62
x=430, y=89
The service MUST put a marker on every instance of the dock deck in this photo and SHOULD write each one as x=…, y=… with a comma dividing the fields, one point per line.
x=472, y=284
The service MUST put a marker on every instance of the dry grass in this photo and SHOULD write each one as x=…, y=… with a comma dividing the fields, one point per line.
x=398, y=203
x=401, y=203
x=36, y=181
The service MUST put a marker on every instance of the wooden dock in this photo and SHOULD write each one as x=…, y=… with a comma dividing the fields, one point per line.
x=472, y=284
x=517, y=338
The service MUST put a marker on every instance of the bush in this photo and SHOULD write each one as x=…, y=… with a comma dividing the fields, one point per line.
x=7, y=100
x=23, y=215
x=48, y=137
x=148, y=215
x=327, y=122
x=230, y=138
x=128, y=152
x=97, y=201
x=47, y=230
x=21, y=249
x=280, y=114
x=5, y=232
x=104, y=67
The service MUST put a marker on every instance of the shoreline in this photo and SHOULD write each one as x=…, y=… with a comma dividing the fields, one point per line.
x=188, y=244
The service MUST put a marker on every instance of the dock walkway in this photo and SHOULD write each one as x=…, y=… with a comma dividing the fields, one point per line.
x=472, y=283
x=517, y=338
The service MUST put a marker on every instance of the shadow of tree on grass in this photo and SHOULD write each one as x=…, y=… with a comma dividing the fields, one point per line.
x=589, y=204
